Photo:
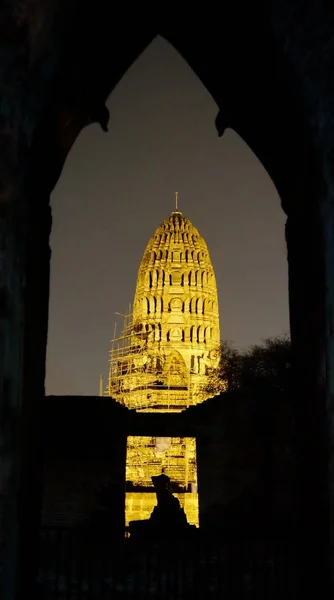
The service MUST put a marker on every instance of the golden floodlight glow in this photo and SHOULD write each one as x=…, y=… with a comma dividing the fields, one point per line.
x=165, y=357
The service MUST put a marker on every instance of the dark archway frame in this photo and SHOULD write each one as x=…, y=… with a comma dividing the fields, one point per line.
x=272, y=109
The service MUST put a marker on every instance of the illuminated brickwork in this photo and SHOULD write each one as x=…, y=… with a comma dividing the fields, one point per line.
x=139, y=506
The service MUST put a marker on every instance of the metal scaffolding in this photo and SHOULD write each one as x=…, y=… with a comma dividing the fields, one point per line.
x=138, y=377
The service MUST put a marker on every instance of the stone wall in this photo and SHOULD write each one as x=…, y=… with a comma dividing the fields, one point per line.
x=246, y=466
x=240, y=468
x=84, y=449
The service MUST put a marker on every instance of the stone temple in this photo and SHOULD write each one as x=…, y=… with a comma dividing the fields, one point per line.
x=166, y=358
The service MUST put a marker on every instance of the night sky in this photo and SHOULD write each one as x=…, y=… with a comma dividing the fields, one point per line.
x=116, y=188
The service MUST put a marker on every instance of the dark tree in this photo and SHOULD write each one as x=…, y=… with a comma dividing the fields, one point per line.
x=260, y=369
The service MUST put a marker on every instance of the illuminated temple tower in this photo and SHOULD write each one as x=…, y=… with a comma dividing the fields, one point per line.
x=165, y=357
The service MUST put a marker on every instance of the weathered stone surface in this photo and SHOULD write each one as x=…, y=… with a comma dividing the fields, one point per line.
x=82, y=458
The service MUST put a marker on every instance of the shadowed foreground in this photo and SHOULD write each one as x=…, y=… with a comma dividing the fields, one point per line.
x=205, y=567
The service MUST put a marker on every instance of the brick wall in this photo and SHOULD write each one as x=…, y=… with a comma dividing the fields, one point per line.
x=85, y=448
x=85, y=443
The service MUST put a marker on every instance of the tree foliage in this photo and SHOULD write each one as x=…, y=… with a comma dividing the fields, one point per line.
x=260, y=369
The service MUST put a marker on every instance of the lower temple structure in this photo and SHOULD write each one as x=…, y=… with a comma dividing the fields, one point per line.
x=86, y=468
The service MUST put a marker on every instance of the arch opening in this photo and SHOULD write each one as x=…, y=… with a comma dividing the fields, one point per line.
x=246, y=296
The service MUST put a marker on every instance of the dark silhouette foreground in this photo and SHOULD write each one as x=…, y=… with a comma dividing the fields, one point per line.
x=167, y=520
